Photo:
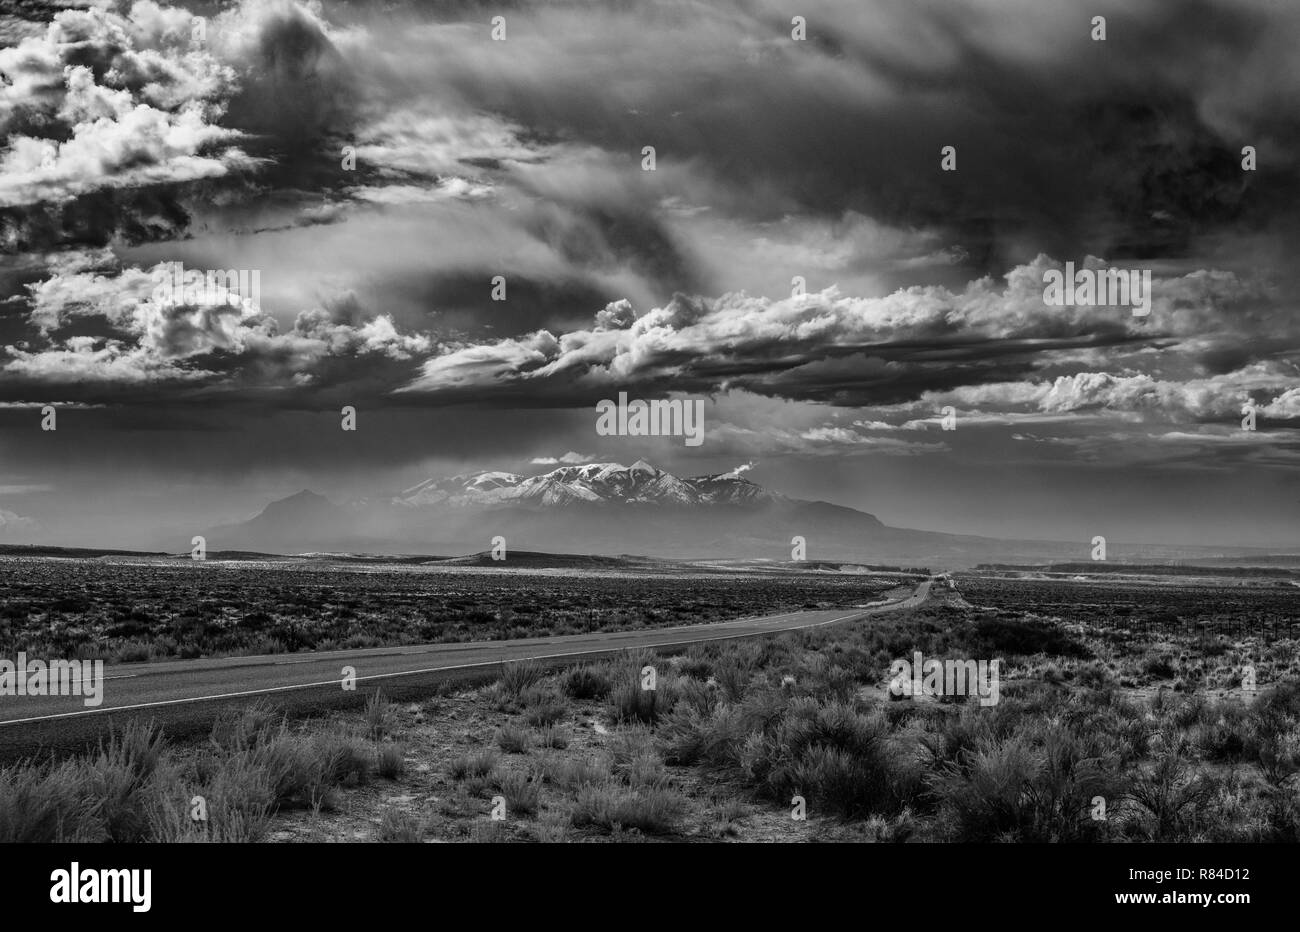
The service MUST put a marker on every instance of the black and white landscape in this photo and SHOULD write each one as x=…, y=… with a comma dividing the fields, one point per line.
x=851, y=420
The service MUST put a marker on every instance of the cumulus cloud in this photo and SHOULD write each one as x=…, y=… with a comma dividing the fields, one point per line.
x=156, y=335
x=1269, y=386
x=830, y=347
x=107, y=99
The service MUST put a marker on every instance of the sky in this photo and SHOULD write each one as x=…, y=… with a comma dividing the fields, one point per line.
x=378, y=165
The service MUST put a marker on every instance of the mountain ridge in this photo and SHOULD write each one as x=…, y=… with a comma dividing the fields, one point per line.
x=596, y=483
x=609, y=508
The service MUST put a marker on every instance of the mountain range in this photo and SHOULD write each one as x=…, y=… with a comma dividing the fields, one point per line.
x=594, y=483
x=608, y=508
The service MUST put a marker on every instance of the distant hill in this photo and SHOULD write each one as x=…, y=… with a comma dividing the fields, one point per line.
x=1107, y=567
x=85, y=553
x=516, y=559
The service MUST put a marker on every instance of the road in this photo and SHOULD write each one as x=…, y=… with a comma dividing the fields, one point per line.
x=185, y=695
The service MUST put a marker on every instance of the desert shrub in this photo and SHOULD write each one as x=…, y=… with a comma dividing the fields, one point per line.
x=691, y=693
x=1283, y=816
x=1170, y=796
x=551, y=827
x=522, y=792
x=551, y=737
x=1273, y=733
x=104, y=797
x=1160, y=667
x=731, y=809
x=1127, y=736
x=1225, y=734
x=573, y=773
x=294, y=776
x=300, y=770
x=378, y=714
x=688, y=736
x=634, y=759
x=1277, y=708
x=1033, y=783
x=836, y=780
x=951, y=737
x=473, y=764
x=837, y=683
x=733, y=674
x=1094, y=676
x=1278, y=755
x=390, y=761
x=585, y=682
x=1211, y=646
x=517, y=677
x=239, y=797
x=653, y=811
x=400, y=826
x=47, y=803
x=982, y=796
x=488, y=832
x=542, y=708
x=831, y=754
x=1009, y=637
x=230, y=818
x=1188, y=712
x=1068, y=778
x=725, y=814
x=764, y=707
x=628, y=702
x=344, y=758
x=513, y=738
x=479, y=786
x=243, y=728
x=118, y=781
x=695, y=665
x=1236, y=812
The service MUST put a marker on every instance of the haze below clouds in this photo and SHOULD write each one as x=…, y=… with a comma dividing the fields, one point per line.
x=142, y=134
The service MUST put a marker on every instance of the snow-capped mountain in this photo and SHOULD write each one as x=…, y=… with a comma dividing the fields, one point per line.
x=594, y=483
x=608, y=508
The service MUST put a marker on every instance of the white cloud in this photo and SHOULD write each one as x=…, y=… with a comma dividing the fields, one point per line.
x=569, y=459
x=121, y=100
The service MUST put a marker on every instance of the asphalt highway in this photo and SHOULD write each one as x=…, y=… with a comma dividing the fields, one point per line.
x=185, y=695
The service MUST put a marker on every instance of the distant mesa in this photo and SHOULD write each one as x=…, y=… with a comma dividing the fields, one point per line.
x=536, y=559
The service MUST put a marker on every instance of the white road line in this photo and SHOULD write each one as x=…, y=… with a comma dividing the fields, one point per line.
x=380, y=676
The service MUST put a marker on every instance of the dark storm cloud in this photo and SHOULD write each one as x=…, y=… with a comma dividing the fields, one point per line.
x=1129, y=146
x=522, y=158
x=463, y=299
